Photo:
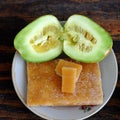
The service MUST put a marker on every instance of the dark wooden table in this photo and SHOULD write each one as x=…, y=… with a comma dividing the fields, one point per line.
x=15, y=14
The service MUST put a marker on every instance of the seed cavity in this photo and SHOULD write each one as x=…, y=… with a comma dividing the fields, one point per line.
x=87, y=36
x=81, y=38
x=75, y=38
x=46, y=39
x=85, y=48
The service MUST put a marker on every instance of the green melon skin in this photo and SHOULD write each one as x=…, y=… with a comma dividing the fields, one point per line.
x=99, y=50
x=22, y=39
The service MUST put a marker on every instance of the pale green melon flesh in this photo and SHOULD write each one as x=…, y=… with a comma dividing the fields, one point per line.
x=34, y=41
x=85, y=40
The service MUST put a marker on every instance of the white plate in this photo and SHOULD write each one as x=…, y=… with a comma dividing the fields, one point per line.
x=109, y=72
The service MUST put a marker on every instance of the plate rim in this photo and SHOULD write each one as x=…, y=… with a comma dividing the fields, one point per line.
x=47, y=117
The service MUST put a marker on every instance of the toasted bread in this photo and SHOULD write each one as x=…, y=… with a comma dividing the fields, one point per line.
x=44, y=86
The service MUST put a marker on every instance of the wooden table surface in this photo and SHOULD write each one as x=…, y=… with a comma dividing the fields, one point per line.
x=15, y=14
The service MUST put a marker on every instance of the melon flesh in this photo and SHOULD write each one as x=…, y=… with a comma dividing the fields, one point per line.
x=68, y=79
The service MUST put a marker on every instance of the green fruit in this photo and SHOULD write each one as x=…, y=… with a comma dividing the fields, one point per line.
x=40, y=41
x=85, y=40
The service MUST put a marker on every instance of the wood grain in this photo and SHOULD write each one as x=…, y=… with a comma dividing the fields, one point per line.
x=15, y=14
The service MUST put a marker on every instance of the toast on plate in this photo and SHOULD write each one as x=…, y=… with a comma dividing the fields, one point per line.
x=44, y=86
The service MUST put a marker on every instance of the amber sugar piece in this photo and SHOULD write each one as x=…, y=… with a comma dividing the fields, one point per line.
x=44, y=86
x=68, y=79
x=65, y=63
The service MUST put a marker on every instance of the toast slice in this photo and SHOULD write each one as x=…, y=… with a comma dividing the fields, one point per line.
x=44, y=86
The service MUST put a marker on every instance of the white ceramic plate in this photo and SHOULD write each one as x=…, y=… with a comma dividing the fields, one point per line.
x=109, y=72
